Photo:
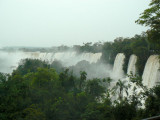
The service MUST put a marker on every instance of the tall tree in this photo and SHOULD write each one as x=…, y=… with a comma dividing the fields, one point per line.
x=151, y=18
x=121, y=87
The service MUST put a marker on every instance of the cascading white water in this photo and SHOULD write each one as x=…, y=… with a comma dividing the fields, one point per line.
x=132, y=65
x=67, y=58
x=131, y=69
x=118, y=66
x=151, y=74
x=91, y=57
x=10, y=60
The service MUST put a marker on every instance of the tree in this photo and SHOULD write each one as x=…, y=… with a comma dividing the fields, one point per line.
x=151, y=18
x=3, y=77
x=44, y=77
x=152, y=104
x=106, y=51
x=94, y=89
x=29, y=65
x=32, y=113
x=120, y=85
x=67, y=80
x=82, y=79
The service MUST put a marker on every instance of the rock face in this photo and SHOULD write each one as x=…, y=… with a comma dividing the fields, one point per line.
x=118, y=66
x=132, y=65
x=151, y=73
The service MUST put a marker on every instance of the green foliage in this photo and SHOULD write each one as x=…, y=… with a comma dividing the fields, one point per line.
x=44, y=77
x=152, y=104
x=124, y=110
x=41, y=93
x=89, y=47
x=44, y=94
x=67, y=81
x=32, y=113
x=151, y=18
x=82, y=79
x=94, y=89
x=30, y=65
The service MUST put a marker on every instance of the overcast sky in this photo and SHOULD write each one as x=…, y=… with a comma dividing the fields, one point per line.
x=55, y=22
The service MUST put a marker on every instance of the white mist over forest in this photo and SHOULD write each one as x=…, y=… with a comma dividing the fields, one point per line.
x=89, y=62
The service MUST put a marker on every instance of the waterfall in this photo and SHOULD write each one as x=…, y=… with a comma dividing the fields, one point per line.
x=67, y=58
x=118, y=66
x=10, y=60
x=151, y=74
x=132, y=65
x=90, y=57
x=131, y=69
x=72, y=58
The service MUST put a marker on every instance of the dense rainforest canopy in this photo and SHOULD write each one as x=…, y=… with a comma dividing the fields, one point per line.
x=40, y=93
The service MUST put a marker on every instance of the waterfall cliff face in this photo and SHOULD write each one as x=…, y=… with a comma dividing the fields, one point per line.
x=118, y=66
x=151, y=74
x=132, y=65
x=10, y=60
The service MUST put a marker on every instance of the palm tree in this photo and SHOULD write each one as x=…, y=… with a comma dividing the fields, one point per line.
x=121, y=87
x=83, y=78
